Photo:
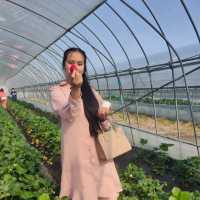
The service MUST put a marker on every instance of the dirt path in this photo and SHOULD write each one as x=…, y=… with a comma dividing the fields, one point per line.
x=164, y=126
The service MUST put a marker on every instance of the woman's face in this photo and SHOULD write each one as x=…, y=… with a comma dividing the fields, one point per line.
x=77, y=59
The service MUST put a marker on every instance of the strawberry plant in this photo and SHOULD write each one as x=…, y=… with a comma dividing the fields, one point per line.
x=20, y=177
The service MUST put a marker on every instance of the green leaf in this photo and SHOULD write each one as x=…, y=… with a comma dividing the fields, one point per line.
x=143, y=141
x=185, y=196
x=172, y=198
x=176, y=191
x=165, y=146
x=44, y=196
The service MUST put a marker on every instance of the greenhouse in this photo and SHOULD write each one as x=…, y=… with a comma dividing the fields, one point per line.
x=142, y=58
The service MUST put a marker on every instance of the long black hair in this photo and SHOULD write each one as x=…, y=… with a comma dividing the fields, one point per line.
x=90, y=102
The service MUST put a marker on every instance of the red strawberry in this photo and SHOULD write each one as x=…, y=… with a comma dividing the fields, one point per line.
x=72, y=68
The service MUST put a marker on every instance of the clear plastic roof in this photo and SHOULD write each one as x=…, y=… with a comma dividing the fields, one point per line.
x=117, y=35
x=27, y=28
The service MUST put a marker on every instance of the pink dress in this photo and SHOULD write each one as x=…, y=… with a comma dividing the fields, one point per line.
x=83, y=177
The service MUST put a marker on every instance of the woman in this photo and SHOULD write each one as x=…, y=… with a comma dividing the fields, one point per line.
x=81, y=111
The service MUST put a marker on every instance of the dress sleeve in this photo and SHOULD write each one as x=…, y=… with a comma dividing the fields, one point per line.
x=67, y=108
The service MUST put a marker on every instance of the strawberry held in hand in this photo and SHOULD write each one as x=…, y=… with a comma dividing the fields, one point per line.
x=72, y=67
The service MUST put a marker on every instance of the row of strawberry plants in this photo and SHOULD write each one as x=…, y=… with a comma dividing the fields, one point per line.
x=49, y=115
x=138, y=186
x=41, y=133
x=135, y=183
x=185, y=172
x=155, y=187
x=20, y=176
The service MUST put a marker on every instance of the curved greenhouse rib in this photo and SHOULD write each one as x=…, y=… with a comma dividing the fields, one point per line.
x=191, y=20
x=49, y=20
x=24, y=52
x=115, y=37
x=107, y=85
x=183, y=71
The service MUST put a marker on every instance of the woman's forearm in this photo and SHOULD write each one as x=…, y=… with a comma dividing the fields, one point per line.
x=75, y=92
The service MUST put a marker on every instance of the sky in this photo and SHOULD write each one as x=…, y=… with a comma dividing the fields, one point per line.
x=170, y=14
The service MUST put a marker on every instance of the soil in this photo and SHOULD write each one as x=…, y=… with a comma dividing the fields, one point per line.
x=165, y=127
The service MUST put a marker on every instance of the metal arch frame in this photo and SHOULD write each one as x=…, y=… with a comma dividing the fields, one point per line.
x=115, y=37
x=191, y=20
x=175, y=52
x=28, y=55
x=121, y=46
x=118, y=78
x=129, y=63
x=51, y=71
x=157, y=67
x=99, y=40
x=113, y=65
x=43, y=71
x=142, y=49
x=38, y=14
x=144, y=53
x=20, y=60
x=116, y=72
x=195, y=30
x=24, y=62
x=17, y=79
x=25, y=38
x=153, y=68
x=87, y=42
x=24, y=77
x=131, y=31
x=55, y=59
x=107, y=85
x=157, y=89
x=171, y=61
x=33, y=76
x=159, y=27
x=48, y=63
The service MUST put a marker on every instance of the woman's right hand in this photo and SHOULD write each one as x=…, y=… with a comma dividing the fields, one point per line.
x=76, y=79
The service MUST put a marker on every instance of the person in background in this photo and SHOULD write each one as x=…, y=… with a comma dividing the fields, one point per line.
x=3, y=98
x=13, y=94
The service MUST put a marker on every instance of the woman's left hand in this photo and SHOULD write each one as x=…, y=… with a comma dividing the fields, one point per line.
x=103, y=112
